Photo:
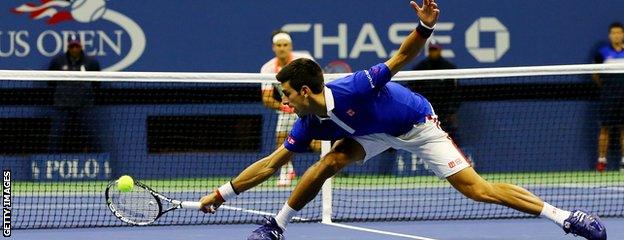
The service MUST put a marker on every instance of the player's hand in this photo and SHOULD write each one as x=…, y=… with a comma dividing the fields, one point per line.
x=428, y=13
x=210, y=203
x=287, y=109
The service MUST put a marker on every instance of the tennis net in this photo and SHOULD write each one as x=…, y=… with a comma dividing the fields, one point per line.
x=65, y=135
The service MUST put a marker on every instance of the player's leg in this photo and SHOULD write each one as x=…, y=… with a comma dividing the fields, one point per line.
x=608, y=114
x=603, y=145
x=287, y=172
x=343, y=153
x=315, y=146
x=469, y=183
x=447, y=161
x=285, y=122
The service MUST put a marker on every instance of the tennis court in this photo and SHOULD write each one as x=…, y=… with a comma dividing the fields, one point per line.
x=174, y=99
x=364, y=208
x=508, y=229
x=393, y=196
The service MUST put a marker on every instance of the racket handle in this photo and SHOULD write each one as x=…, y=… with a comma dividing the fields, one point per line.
x=190, y=205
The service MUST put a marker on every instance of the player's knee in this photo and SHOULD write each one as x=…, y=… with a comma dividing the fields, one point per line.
x=336, y=161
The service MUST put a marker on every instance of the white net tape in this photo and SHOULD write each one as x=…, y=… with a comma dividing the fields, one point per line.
x=261, y=78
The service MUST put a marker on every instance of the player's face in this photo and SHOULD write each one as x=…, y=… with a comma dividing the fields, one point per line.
x=616, y=35
x=296, y=100
x=282, y=48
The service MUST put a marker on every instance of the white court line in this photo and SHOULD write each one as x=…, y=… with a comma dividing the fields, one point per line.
x=615, y=189
x=377, y=231
x=263, y=213
x=330, y=224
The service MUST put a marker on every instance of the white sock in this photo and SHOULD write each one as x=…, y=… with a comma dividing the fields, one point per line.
x=283, y=216
x=555, y=214
x=622, y=160
x=602, y=160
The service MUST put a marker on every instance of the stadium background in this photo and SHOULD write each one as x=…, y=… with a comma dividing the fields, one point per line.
x=233, y=36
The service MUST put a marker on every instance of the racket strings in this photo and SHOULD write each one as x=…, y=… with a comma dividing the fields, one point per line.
x=138, y=205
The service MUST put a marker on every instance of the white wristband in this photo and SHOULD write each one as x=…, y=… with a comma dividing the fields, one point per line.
x=425, y=25
x=227, y=191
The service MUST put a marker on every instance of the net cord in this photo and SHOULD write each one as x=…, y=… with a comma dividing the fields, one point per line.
x=200, y=77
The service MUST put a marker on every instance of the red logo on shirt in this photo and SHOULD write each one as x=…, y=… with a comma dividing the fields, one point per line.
x=350, y=112
x=290, y=140
x=457, y=161
x=451, y=164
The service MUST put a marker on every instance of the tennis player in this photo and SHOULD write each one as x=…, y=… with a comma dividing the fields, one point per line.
x=272, y=96
x=367, y=114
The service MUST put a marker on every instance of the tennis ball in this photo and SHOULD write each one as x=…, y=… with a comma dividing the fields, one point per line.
x=125, y=183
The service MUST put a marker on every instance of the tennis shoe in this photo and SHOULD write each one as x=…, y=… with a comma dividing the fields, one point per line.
x=585, y=225
x=268, y=231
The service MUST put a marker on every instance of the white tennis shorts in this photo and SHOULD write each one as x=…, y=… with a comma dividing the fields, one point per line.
x=427, y=140
x=285, y=121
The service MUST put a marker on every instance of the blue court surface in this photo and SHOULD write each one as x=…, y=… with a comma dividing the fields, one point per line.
x=511, y=229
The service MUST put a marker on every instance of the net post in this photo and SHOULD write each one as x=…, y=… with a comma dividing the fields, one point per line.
x=326, y=216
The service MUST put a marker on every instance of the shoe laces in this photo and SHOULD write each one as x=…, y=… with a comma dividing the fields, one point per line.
x=579, y=223
x=271, y=227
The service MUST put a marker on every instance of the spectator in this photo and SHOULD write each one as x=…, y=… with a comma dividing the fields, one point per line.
x=611, y=95
x=272, y=97
x=72, y=99
x=442, y=93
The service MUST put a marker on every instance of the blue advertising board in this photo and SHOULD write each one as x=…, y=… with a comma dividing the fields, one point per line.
x=65, y=167
x=234, y=36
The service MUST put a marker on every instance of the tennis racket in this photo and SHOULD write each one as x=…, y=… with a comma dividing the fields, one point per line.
x=143, y=205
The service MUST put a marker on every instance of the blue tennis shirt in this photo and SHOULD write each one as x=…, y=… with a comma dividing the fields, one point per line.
x=363, y=103
x=608, y=54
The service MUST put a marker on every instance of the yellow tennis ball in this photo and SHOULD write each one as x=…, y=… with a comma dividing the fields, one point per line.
x=125, y=183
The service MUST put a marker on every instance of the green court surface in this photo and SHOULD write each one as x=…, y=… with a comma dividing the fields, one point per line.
x=577, y=178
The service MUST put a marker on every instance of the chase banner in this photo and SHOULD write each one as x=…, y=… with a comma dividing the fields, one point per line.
x=234, y=36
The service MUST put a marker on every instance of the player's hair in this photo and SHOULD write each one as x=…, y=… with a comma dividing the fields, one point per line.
x=300, y=72
x=616, y=25
x=277, y=32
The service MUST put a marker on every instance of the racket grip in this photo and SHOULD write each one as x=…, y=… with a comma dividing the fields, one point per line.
x=190, y=205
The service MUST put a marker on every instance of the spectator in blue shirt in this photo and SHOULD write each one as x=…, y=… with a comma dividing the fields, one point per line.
x=366, y=114
x=611, y=95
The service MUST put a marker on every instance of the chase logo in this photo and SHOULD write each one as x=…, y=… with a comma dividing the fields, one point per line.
x=104, y=32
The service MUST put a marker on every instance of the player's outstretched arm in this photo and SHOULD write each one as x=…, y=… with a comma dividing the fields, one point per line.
x=412, y=45
x=253, y=175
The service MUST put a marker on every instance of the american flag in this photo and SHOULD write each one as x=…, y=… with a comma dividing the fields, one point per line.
x=55, y=10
